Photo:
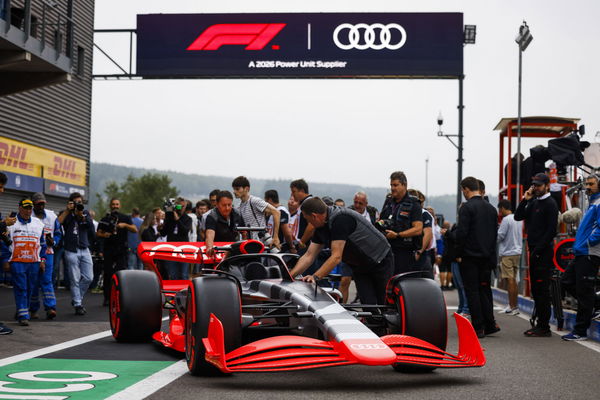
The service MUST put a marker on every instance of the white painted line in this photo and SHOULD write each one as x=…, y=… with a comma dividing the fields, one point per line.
x=56, y=347
x=153, y=383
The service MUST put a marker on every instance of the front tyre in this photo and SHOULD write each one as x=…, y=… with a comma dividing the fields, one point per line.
x=211, y=295
x=135, y=305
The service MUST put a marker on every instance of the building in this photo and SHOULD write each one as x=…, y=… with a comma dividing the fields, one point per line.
x=45, y=98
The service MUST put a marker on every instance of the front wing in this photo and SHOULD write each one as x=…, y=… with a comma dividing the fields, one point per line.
x=288, y=353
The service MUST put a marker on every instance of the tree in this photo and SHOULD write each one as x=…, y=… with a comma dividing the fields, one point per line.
x=146, y=192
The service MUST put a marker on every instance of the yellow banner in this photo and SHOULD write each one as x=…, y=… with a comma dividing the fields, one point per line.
x=22, y=158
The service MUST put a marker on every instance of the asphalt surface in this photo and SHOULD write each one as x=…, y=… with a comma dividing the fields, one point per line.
x=517, y=366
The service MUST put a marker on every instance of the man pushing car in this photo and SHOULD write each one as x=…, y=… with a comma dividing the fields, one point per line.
x=353, y=240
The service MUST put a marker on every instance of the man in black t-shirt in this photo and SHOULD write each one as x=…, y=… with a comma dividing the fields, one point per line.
x=221, y=222
x=113, y=229
x=403, y=215
x=285, y=234
x=353, y=240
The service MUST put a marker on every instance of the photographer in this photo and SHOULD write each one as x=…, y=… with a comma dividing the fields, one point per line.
x=113, y=229
x=79, y=235
x=176, y=228
x=401, y=222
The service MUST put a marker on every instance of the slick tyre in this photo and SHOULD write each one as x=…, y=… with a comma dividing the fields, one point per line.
x=211, y=295
x=135, y=305
x=423, y=315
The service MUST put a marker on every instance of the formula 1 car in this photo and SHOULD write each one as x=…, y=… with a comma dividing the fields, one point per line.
x=245, y=313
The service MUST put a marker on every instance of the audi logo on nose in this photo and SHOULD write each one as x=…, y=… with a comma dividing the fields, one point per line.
x=368, y=346
x=363, y=36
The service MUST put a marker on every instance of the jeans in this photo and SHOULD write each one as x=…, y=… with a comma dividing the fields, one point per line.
x=463, y=307
x=45, y=284
x=133, y=260
x=80, y=267
x=177, y=270
x=24, y=276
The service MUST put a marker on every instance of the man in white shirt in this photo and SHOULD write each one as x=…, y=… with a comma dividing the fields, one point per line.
x=510, y=244
x=255, y=210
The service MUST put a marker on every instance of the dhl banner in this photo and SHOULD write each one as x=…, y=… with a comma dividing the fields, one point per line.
x=22, y=158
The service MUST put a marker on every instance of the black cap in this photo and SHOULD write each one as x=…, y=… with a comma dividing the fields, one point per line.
x=541, y=179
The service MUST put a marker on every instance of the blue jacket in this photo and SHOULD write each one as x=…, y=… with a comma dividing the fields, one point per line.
x=587, y=240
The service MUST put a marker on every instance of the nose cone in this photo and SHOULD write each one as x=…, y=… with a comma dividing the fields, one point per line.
x=368, y=351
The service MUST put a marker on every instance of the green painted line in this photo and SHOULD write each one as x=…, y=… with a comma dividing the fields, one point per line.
x=98, y=379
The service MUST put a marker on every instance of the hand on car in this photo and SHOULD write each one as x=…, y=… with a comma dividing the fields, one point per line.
x=309, y=278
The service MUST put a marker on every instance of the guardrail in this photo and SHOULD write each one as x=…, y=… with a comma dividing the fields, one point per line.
x=49, y=21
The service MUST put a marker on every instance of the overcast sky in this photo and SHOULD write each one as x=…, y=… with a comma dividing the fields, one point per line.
x=349, y=131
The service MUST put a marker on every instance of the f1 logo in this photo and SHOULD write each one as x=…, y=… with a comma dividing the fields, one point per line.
x=254, y=36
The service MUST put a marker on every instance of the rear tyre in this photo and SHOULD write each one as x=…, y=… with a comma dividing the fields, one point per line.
x=211, y=295
x=135, y=305
x=423, y=315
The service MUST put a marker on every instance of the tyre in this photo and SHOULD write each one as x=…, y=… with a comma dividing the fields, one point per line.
x=211, y=295
x=135, y=305
x=422, y=314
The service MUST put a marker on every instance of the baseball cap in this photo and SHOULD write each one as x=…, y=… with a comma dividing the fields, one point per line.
x=541, y=179
x=26, y=203
x=37, y=197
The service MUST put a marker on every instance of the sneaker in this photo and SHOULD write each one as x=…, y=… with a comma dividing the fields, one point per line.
x=510, y=311
x=5, y=330
x=50, y=314
x=480, y=334
x=596, y=316
x=538, y=332
x=24, y=322
x=79, y=310
x=573, y=337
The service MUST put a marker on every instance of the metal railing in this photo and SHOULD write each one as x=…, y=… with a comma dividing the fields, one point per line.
x=49, y=21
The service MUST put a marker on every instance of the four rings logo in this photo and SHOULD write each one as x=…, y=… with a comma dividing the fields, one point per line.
x=186, y=251
x=254, y=36
x=368, y=346
x=363, y=36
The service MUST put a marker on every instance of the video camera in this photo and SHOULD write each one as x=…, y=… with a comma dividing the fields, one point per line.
x=169, y=205
x=386, y=224
x=109, y=222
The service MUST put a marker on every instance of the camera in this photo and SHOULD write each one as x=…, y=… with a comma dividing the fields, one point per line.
x=4, y=232
x=78, y=206
x=109, y=222
x=169, y=205
x=386, y=224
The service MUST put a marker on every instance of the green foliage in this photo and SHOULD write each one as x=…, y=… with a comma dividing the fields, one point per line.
x=144, y=192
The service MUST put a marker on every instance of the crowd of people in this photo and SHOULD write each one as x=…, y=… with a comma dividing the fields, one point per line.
x=359, y=242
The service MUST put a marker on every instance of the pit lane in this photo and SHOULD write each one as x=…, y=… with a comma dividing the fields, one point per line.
x=517, y=366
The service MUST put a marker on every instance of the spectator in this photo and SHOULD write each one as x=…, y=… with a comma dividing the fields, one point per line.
x=176, y=228
x=133, y=241
x=339, y=203
x=445, y=265
x=79, y=235
x=423, y=260
x=255, y=210
x=540, y=213
x=450, y=256
x=191, y=212
x=4, y=251
x=294, y=222
x=352, y=240
x=285, y=234
x=149, y=229
x=510, y=243
x=580, y=276
x=476, y=238
x=404, y=216
x=113, y=228
x=299, y=189
x=28, y=257
x=52, y=235
x=97, y=259
x=202, y=208
x=212, y=197
x=361, y=206
x=327, y=200
x=222, y=222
